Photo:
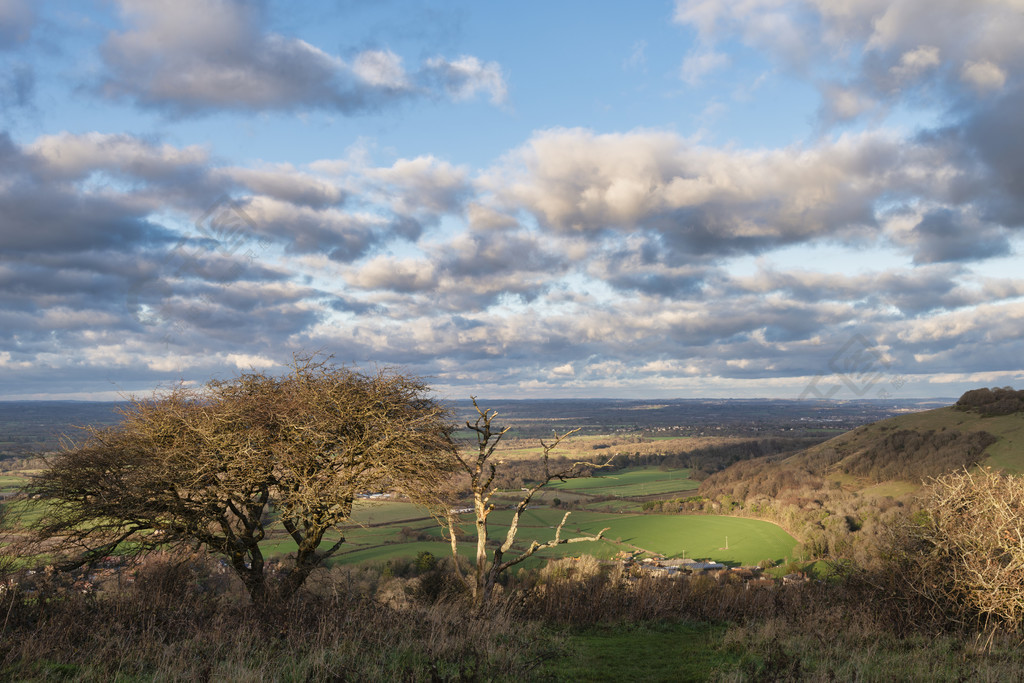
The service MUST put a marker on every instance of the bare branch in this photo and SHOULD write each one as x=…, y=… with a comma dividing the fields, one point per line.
x=482, y=471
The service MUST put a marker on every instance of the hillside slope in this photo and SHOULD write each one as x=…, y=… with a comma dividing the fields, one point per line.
x=913, y=448
x=889, y=457
x=839, y=496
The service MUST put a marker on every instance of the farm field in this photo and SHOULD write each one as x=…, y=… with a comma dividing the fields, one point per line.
x=731, y=540
x=604, y=446
x=631, y=482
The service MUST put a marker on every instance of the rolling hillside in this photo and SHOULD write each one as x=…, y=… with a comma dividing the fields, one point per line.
x=889, y=457
x=1006, y=451
x=838, y=497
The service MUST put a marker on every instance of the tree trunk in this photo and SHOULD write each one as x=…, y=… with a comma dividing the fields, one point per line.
x=479, y=591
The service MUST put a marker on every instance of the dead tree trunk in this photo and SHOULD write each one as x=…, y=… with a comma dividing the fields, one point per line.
x=481, y=470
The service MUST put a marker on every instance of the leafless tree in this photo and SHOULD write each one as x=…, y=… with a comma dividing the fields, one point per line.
x=223, y=465
x=964, y=553
x=482, y=469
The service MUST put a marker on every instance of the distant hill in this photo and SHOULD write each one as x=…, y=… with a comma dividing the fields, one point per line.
x=839, y=496
x=28, y=427
x=891, y=457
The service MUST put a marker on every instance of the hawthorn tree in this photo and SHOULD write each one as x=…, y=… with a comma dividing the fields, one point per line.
x=224, y=464
x=963, y=553
x=482, y=469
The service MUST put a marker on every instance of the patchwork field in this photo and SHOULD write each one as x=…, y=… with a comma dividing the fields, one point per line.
x=631, y=482
x=388, y=530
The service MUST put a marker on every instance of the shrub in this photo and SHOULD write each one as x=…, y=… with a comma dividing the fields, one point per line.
x=962, y=553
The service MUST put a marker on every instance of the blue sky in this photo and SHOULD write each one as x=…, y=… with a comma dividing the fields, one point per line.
x=767, y=198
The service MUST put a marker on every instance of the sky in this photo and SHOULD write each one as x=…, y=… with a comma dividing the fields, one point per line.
x=707, y=198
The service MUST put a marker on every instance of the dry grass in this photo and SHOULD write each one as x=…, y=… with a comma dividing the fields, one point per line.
x=606, y=446
x=175, y=622
x=166, y=627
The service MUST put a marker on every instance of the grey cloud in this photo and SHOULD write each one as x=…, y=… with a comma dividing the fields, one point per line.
x=346, y=304
x=259, y=314
x=469, y=273
x=942, y=237
x=163, y=61
x=69, y=158
x=37, y=219
x=341, y=235
x=646, y=268
x=16, y=22
x=476, y=255
x=995, y=135
x=288, y=185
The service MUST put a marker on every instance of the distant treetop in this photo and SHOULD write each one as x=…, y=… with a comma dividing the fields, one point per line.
x=992, y=402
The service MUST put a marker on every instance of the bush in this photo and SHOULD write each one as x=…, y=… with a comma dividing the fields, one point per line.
x=962, y=553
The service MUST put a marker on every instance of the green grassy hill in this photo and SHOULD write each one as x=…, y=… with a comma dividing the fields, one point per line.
x=1005, y=452
x=891, y=457
x=840, y=496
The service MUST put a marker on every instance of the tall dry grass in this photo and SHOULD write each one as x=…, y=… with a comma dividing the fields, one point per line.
x=183, y=620
x=168, y=626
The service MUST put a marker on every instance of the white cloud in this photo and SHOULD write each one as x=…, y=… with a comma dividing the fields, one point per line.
x=984, y=76
x=423, y=184
x=405, y=275
x=381, y=69
x=73, y=155
x=284, y=182
x=637, y=58
x=884, y=49
x=464, y=77
x=701, y=199
x=914, y=62
x=565, y=370
x=699, y=64
x=248, y=362
x=847, y=103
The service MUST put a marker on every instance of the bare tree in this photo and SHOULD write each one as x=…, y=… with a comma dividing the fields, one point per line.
x=482, y=469
x=964, y=553
x=223, y=465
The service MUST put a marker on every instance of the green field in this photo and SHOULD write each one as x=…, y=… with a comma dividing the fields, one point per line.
x=733, y=540
x=631, y=482
x=1006, y=453
x=376, y=529
x=385, y=512
x=9, y=483
x=695, y=536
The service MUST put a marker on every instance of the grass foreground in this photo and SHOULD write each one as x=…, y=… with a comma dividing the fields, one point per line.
x=182, y=619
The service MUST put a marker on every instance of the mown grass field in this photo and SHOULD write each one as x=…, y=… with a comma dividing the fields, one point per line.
x=733, y=540
x=631, y=482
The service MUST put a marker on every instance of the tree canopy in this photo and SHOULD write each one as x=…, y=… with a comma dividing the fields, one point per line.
x=222, y=464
